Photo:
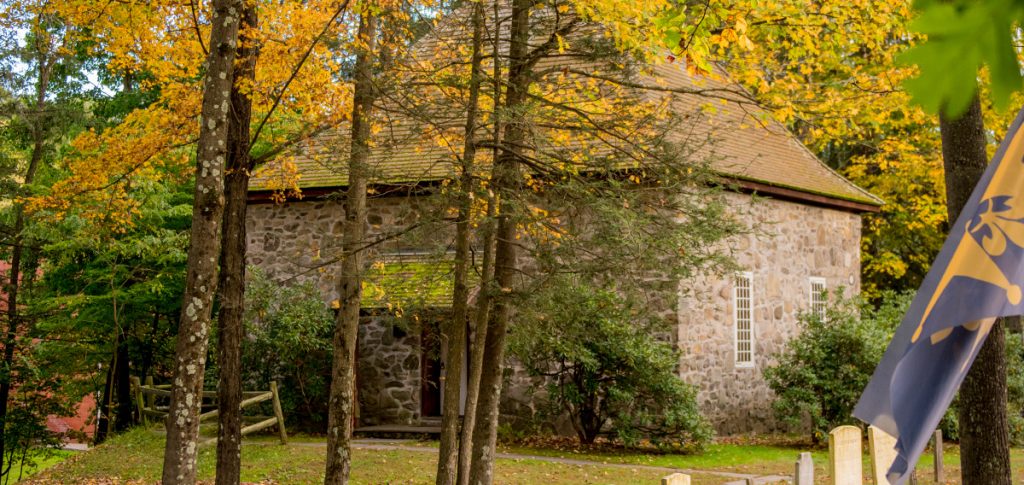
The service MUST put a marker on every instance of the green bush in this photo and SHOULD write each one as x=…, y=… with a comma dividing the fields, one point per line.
x=1015, y=386
x=600, y=362
x=287, y=339
x=821, y=373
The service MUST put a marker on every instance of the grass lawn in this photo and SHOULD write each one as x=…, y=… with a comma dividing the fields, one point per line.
x=135, y=457
x=42, y=462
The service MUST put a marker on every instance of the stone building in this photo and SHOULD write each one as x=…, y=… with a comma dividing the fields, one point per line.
x=807, y=240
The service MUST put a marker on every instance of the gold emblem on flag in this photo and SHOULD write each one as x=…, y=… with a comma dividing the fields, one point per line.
x=999, y=221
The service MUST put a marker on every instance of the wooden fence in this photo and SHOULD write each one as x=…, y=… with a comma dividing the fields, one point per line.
x=146, y=397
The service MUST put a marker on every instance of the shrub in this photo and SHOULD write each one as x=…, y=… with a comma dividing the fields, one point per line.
x=288, y=340
x=821, y=373
x=600, y=362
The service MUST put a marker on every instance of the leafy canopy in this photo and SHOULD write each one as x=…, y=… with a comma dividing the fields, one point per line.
x=962, y=36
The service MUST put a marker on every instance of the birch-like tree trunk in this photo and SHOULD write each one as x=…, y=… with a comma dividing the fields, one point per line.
x=340, y=416
x=984, y=429
x=201, y=280
x=230, y=328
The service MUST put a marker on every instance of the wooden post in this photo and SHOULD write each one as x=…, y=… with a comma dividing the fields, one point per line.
x=150, y=399
x=278, y=413
x=940, y=476
x=137, y=392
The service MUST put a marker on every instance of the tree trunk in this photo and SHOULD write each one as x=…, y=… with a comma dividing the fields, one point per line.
x=476, y=352
x=230, y=327
x=448, y=457
x=39, y=128
x=340, y=416
x=122, y=381
x=106, y=398
x=507, y=180
x=201, y=279
x=984, y=432
x=483, y=300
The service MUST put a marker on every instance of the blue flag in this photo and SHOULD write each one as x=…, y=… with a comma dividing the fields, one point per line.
x=976, y=278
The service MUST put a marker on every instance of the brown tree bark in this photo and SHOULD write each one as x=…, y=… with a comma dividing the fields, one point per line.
x=201, y=279
x=340, y=416
x=230, y=327
x=476, y=352
x=455, y=334
x=984, y=431
x=106, y=399
x=507, y=182
x=483, y=300
x=122, y=380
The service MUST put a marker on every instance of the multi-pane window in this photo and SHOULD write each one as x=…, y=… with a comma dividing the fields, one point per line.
x=819, y=297
x=743, y=308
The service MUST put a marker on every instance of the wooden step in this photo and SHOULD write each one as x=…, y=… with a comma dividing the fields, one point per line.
x=399, y=431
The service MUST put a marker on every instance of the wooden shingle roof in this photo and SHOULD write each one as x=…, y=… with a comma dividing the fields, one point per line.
x=745, y=145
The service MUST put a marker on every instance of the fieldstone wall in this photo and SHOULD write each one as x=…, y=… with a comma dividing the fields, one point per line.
x=791, y=244
x=301, y=240
x=388, y=372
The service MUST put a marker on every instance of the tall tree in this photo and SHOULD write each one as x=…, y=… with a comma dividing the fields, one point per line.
x=507, y=181
x=230, y=326
x=182, y=424
x=486, y=288
x=984, y=427
x=42, y=54
x=455, y=333
x=341, y=418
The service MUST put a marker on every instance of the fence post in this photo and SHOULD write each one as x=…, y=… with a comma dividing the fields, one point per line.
x=150, y=399
x=940, y=475
x=136, y=386
x=278, y=413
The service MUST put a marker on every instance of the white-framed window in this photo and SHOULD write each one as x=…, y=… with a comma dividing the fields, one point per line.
x=743, y=318
x=819, y=297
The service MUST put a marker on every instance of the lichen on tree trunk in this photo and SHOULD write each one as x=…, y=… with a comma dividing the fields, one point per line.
x=230, y=326
x=182, y=423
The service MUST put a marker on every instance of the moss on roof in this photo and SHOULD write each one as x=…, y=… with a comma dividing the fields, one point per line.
x=400, y=281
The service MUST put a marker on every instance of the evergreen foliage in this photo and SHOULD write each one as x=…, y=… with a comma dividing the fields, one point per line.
x=598, y=359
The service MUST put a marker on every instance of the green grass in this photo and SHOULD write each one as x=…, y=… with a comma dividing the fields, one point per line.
x=760, y=459
x=41, y=461
x=136, y=457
